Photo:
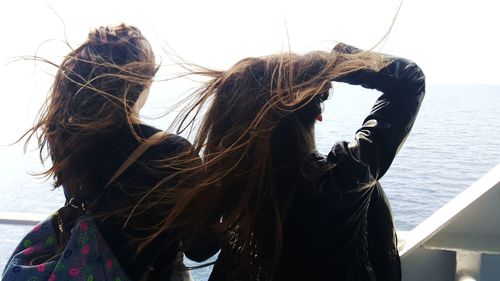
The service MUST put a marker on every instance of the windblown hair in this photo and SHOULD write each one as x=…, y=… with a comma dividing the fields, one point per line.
x=255, y=137
x=93, y=93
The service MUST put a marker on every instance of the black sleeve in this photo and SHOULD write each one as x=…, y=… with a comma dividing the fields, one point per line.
x=385, y=129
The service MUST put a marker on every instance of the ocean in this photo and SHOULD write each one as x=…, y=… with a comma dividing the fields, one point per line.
x=454, y=141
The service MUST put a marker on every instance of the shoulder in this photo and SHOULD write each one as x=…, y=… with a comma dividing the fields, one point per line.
x=175, y=143
x=349, y=170
x=168, y=145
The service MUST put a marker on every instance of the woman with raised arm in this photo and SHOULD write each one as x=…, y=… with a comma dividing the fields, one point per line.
x=284, y=211
x=90, y=126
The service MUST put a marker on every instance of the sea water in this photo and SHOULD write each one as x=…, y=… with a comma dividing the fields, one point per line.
x=455, y=140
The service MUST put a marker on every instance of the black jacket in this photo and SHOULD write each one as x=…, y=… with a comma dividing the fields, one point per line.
x=346, y=231
x=98, y=165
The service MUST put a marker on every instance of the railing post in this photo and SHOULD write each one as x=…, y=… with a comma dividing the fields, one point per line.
x=468, y=265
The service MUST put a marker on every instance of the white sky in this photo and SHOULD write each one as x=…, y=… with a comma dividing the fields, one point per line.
x=454, y=41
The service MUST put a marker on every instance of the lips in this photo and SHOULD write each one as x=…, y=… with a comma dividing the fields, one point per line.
x=319, y=117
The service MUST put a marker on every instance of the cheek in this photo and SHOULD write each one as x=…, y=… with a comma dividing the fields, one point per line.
x=143, y=97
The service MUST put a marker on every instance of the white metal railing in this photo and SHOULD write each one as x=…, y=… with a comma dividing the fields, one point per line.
x=461, y=240
x=14, y=218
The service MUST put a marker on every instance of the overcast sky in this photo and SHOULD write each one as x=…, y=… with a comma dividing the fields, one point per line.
x=454, y=41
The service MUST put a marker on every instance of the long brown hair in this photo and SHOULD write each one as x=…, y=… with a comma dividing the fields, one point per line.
x=93, y=93
x=255, y=137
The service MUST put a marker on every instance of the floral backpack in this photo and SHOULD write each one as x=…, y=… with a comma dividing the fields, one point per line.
x=85, y=256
